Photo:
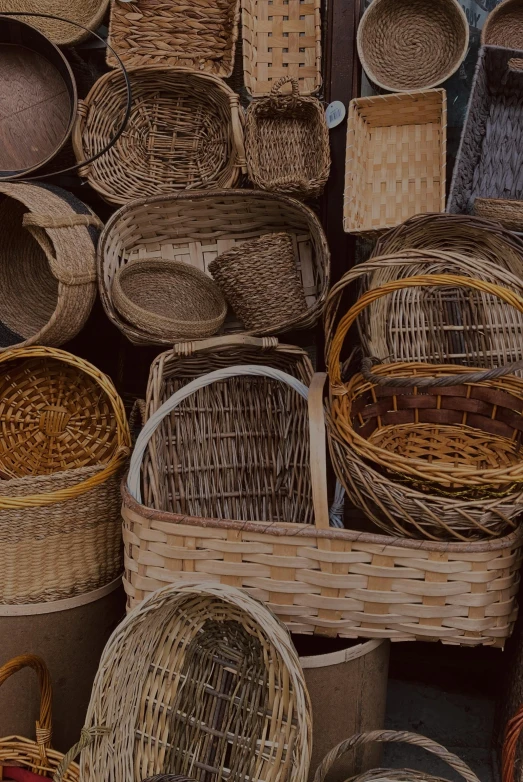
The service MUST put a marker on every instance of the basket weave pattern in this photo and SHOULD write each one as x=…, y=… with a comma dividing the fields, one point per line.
x=508, y=213
x=89, y=13
x=504, y=25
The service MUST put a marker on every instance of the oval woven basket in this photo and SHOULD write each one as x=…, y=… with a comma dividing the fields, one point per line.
x=185, y=131
x=410, y=44
x=89, y=13
x=504, y=25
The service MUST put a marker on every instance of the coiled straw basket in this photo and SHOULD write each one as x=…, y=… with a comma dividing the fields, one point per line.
x=504, y=25
x=88, y=13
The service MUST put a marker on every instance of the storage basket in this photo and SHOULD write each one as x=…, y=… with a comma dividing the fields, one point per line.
x=280, y=39
x=261, y=282
x=216, y=677
x=202, y=38
x=508, y=213
x=407, y=45
x=491, y=146
x=395, y=163
x=89, y=13
x=504, y=25
x=167, y=299
x=287, y=143
x=185, y=131
x=325, y=580
x=196, y=227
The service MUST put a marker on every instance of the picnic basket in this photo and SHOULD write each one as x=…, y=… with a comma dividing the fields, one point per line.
x=89, y=13
x=287, y=142
x=196, y=227
x=504, y=25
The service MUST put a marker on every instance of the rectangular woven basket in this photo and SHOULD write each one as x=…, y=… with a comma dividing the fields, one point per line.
x=396, y=159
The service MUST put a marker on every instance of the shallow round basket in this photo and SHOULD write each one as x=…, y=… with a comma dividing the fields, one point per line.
x=89, y=13
x=500, y=210
x=168, y=299
x=504, y=25
x=407, y=45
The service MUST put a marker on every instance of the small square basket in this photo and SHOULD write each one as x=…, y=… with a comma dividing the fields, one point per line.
x=396, y=159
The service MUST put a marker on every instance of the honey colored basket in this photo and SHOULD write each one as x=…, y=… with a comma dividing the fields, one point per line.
x=86, y=13
x=504, y=25
x=185, y=131
x=287, y=142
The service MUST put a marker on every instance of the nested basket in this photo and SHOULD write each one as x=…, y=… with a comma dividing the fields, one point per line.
x=185, y=131
x=89, y=13
x=216, y=690
x=64, y=445
x=196, y=227
x=504, y=25
x=287, y=142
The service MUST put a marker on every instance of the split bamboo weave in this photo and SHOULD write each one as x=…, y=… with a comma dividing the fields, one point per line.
x=185, y=131
x=89, y=13
x=47, y=265
x=217, y=689
x=508, y=213
x=395, y=163
x=281, y=39
x=196, y=227
x=287, y=143
x=200, y=35
x=504, y=25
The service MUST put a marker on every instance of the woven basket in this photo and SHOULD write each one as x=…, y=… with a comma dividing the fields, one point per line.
x=408, y=45
x=287, y=143
x=395, y=163
x=185, y=131
x=169, y=34
x=504, y=25
x=35, y=756
x=510, y=755
x=47, y=265
x=487, y=165
x=283, y=40
x=508, y=213
x=261, y=282
x=216, y=677
x=168, y=300
x=196, y=227
x=89, y=13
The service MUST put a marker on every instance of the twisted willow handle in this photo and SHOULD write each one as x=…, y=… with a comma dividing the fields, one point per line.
x=435, y=382
x=402, y=737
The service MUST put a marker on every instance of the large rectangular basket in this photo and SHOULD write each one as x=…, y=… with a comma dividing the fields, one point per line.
x=396, y=158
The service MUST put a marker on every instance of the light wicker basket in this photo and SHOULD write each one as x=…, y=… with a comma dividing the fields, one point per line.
x=89, y=13
x=287, y=143
x=504, y=25
x=508, y=213
x=185, y=131
x=196, y=227
x=167, y=34
x=395, y=164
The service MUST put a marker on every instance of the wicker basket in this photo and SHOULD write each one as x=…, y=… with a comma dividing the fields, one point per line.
x=287, y=143
x=504, y=25
x=47, y=265
x=196, y=227
x=395, y=164
x=168, y=300
x=89, y=13
x=408, y=45
x=283, y=40
x=510, y=756
x=508, y=213
x=216, y=677
x=491, y=147
x=185, y=131
x=168, y=34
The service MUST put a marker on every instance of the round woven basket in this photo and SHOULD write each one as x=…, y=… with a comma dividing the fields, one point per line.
x=501, y=210
x=168, y=299
x=504, y=25
x=407, y=45
x=47, y=265
x=89, y=13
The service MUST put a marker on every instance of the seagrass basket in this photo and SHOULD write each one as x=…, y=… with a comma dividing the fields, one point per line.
x=504, y=25
x=165, y=34
x=47, y=264
x=508, y=213
x=196, y=227
x=407, y=45
x=287, y=142
x=185, y=131
x=89, y=13
x=213, y=673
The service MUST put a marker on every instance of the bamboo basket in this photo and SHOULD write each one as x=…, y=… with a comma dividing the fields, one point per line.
x=508, y=213
x=384, y=183
x=504, y=25
x=89, y=13
x=196, y=227
x=185, y=131
x=287, y=143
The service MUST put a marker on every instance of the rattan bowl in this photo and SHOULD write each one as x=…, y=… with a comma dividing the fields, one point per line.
x=406, y=45
x=504, y=25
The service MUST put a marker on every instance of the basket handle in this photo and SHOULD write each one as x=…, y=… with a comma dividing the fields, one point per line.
x=276, y=87
x=403, y=737
x=44, y=722
x=436, y=280
x=510, y=744
x=87, y=736
x=190, y=348
x=237, y=132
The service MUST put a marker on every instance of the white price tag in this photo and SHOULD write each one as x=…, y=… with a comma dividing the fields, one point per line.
x=335, y=113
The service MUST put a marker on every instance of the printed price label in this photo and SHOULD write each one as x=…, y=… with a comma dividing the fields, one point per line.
x=335, y=113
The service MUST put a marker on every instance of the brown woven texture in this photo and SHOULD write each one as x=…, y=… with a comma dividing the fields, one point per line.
x=406, y=45
x=167, y=299
x=89, y=13
x=504, y=25
x=511, y=740
x=281, y=38
x=196, y=227
x=261, y=281
x=216, y=677
x=185, y=131
x=395, y=163
x=200, y=34
x=287, y=143
x=47, y=265
x=508, y=213
x=488, y=161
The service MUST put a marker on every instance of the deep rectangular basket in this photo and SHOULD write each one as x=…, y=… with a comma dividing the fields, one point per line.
x=488, y=164
x=396, y=159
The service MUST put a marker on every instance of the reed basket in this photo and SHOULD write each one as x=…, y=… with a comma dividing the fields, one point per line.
x=504, y=25
x=89, y=13
x=508, y=213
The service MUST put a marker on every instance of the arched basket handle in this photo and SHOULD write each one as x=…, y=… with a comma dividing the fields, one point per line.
x=44, y=725
x=276, y=87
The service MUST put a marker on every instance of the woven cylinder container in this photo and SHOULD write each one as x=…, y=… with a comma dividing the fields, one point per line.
x=185, y=131
x=47, y=265
x=89, y=13
x=504, y=25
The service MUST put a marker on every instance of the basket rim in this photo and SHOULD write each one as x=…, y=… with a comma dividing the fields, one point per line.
x=498, y=10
